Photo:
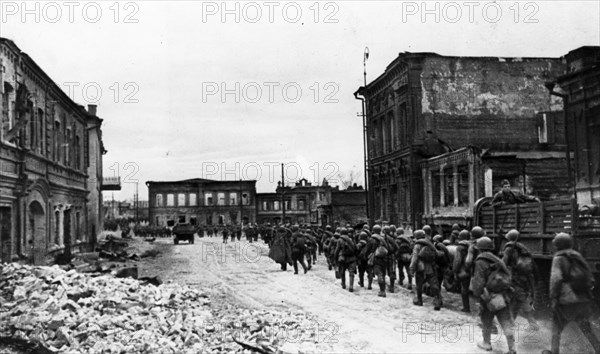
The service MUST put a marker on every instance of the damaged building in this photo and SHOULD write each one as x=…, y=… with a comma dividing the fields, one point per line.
x=443, y=131
x=50, y=164
x=201, y=201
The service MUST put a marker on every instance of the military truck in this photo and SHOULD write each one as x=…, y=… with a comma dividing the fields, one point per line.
x=183, y=232
x=538, y=223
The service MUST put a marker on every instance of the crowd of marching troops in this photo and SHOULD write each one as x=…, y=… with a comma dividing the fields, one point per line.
x=466, y=262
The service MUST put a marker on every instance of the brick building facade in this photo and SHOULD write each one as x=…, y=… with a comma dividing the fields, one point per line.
x=425, y=105
x=45, y=153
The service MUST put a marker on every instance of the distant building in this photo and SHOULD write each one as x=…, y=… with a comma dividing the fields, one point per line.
x=443, y=131
x=50, y=164
x=201, y=202
x=312, y=204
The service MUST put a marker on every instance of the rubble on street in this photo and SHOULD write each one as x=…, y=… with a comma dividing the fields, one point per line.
x=72, y=312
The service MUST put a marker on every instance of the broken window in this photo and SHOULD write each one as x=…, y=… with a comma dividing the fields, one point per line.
x=159, y=200
x=246, y=198
x=232, y=198
x=182, y=219
x=208, y=200
x=170, y=223
x=170, y=200
x=220, y=198
x=193, y=221
x=301, y=204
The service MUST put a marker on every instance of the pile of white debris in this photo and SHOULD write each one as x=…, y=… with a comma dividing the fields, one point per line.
x=71, y=312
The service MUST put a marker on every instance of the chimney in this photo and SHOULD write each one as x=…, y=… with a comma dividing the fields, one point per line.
x=92, y=109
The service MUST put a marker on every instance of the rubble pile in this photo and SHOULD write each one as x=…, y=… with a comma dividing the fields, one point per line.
x=71, y=312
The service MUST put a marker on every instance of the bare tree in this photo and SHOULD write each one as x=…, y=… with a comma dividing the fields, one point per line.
x=349, y=178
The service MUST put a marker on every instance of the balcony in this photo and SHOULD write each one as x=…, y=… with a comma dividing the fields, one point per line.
x=111, y=184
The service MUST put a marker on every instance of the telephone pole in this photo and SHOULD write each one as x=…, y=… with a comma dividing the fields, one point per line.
x=282, y=196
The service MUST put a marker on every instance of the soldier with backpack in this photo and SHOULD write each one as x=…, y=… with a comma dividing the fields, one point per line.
x=459, y=267
x=571, y=284
x=377, y=255
x=491, y=284
x=298, y=243
x=327, y=240
x=520, y=262
x=225, y=234
x=404, y=255
x=442, y=258
x=390, y=239
x=311, y=248
x=362, y=261
x=424, y=268
x=345, y=253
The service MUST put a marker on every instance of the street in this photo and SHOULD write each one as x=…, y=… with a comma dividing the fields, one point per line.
x=239, y=274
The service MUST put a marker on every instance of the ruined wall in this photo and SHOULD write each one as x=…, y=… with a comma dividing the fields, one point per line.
x=487, y=102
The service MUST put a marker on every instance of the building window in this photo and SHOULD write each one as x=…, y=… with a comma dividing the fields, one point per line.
x=209, y=220
x=301, y=204
x=246, y=198
x=276, y=205
x=232, y=198
x=208, y=199
x=57, y=141
x=221, y=219
x=193, y=221
x=265, y=205
x=181, y=219
x=220, y=198
x=288, y=205
x=170, y=200
x=159, y=200
x=158, y=223
x=193, y=199
x=77, y=153
x=181, y=199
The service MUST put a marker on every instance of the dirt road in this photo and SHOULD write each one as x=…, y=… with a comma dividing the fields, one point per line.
x=240, y=274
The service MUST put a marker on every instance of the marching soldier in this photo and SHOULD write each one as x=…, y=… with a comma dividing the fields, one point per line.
x=345, y=253
x=461, y=272
x=377, y=253
x=225, y=234
x=424, y=267
x=492, y=285
x=571, y=284
x=298, y=243
x=390, y=238
x=327, y=239
x=311, y=248
x=362, y=261
x=522, y=267
x=404, y=256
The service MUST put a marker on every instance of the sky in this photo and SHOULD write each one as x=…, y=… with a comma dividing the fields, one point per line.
x=231, y=90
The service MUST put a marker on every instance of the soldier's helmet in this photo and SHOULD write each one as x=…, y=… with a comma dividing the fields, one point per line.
x=563, y=241
x=477, y=232
x=295, y=228
x=385, y=229
x=427, y=230
x=328, y=227
x=366, y=227
x=485, y=244
x=393, y=229
x=512, y=235
x=438, y=238
x=456, y=227
x=376, y=229
x=343, y=231
x=363, y=236
x=419, y=234
x=464, y=235
x=399, y=232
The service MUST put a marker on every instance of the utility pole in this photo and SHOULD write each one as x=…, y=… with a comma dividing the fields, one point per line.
x=241, y=207
x=282, y=196
x=137, y=200
x=364, y=116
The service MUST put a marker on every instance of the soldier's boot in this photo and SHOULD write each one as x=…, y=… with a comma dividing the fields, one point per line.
x=381, y=290
x=419, y=299
x=370, y=283
x=392, y=281
x=351, y=286
x=343, y=276
x=361, y=280
x=409, y=287
x=466, y=306
x=487, y=338
x=337, y=274
x=510, y=341
x=437, y=302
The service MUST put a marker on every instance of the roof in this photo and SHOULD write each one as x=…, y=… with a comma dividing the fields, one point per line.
x=200, y=181
x=529, y=155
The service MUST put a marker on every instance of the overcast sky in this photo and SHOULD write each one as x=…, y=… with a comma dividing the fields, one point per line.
x=201, y=89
